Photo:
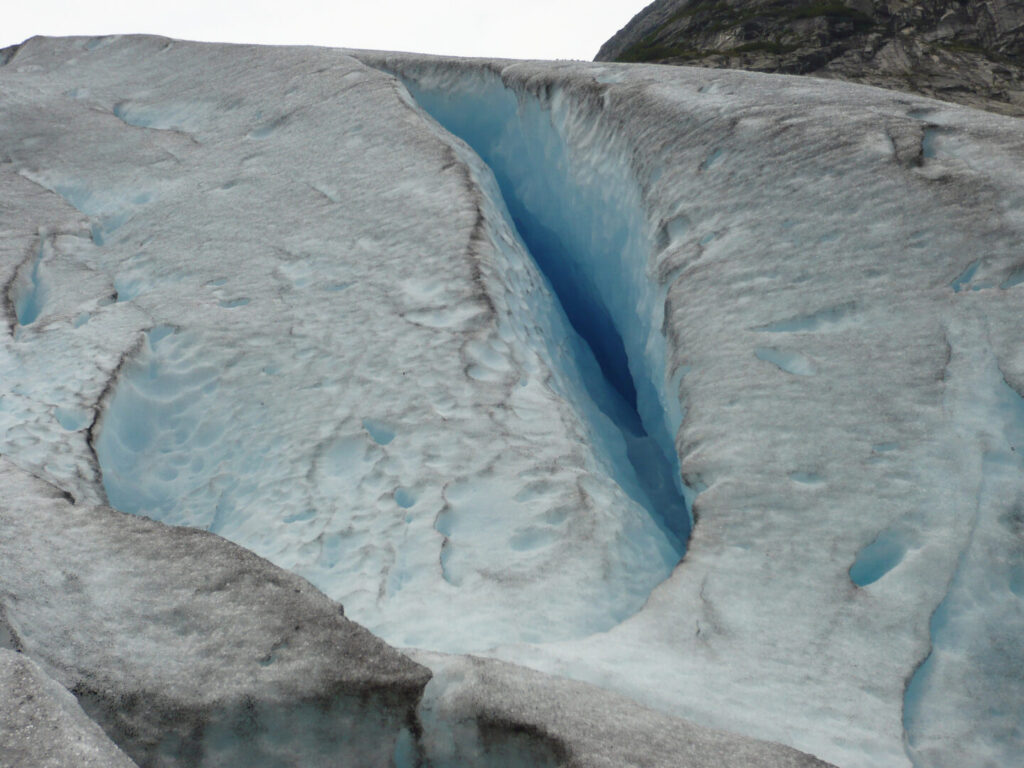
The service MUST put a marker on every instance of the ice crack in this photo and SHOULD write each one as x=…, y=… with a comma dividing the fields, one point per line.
x=589, y=251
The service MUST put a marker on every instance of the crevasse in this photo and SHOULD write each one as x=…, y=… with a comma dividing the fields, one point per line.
x=189, y=443
x=577, y=210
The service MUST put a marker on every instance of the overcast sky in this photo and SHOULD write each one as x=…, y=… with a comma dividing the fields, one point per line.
x=542, y=29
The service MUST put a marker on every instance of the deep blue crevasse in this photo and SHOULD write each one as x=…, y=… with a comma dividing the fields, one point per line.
x=554, y=217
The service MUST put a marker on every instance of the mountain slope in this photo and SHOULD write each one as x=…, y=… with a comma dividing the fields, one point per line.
x=966, y=51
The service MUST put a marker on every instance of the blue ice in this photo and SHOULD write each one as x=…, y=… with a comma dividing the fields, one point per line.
x=964, y=278
x=29, y=304
x=381, y=433
x=878, y=558
x=588, y=246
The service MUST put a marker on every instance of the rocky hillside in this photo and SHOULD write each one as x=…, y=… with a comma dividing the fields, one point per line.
x=966, y=51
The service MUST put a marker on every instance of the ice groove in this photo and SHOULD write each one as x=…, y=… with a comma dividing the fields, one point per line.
x=594, y=277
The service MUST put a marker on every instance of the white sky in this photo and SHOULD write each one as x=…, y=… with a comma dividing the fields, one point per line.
x=541, y=29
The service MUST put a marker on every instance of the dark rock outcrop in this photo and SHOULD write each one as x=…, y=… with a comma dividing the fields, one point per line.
x=966, y=51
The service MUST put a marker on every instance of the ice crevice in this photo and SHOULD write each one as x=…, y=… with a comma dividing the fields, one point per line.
x=167, y=432
x=583, y=225
x=29, y=302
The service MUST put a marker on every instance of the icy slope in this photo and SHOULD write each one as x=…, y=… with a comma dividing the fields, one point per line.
x=261, y=292
x=190, y=651
x=387, y=407
x=840, y=268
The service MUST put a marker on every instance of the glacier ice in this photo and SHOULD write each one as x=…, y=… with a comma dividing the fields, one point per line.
x=262, y=292
x=974, y=631
x=196, y=428
x=583, y=227
x=735, y=258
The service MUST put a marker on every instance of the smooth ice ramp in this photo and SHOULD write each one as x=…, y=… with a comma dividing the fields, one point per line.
x=583, y=226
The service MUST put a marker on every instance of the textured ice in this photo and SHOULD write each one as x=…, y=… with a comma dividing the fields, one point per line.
x=809, y=483
x=583, y=227
x=263, y=293
x=235, y=394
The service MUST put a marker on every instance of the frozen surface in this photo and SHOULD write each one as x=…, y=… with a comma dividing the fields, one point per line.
x=390, y=408
x=975, y=630
x=835, y=443
x=261, y=292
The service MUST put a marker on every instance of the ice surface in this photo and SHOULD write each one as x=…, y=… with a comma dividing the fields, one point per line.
x=278, y=301
x=797, y=505
x=975, y=631
x=241, y=392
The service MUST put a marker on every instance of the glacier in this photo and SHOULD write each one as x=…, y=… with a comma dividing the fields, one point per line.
x=686, y=401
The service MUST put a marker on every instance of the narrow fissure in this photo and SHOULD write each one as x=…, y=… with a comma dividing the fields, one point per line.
x=551, y=215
